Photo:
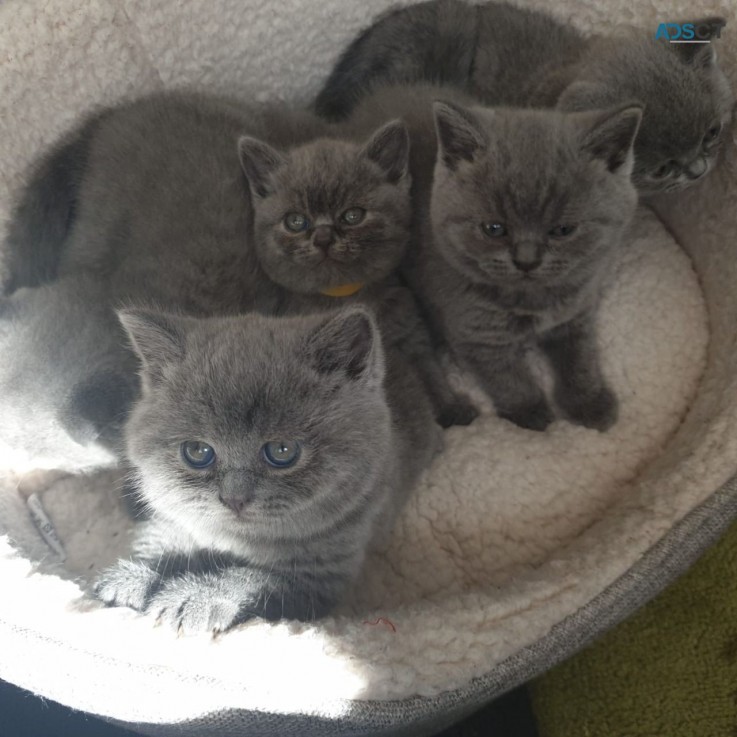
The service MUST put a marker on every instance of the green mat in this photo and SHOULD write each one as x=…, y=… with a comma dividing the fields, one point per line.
x=669, y=671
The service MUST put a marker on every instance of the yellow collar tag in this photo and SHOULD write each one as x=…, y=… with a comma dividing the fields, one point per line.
x=344, y=290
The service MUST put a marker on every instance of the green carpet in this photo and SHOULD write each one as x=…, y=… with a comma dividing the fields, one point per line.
x=669, y=671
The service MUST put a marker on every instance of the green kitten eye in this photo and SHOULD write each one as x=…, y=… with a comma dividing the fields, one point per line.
x=353, y=216
x=561, y=231
x=713, y=133
x=281, y=453
x=295, y=222
x=197, y=454
x=494, y=230
x=665, y=170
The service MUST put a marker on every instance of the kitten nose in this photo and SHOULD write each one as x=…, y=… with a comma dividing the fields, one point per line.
x=526, y=266
x=234, y=503
x=697, y=168
x=236, y=498
x=323, y=237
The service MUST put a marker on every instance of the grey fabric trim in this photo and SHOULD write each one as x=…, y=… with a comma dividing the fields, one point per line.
x=660, y=566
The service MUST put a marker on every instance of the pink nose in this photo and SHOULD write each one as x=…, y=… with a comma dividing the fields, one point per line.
x=236, y=503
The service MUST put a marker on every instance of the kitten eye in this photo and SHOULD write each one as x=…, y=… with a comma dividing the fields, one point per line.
x=281, y=453
x=353, y=216
x=713, y=133
x=295, y=222
x=197, y=454
x=665, y=170
x=561, y=231
x=494, y=230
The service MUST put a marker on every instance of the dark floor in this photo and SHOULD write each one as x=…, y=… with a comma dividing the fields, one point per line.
x=24, y=715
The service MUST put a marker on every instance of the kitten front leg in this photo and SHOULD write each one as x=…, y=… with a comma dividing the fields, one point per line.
x=403, y=328
x=505, y=375
x=217, y=600
x=581, y=391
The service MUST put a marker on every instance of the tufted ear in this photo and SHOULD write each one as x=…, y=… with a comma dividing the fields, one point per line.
x=610, y=134
x=460, y=134
x=157, y=338
x=348, y=343
x=389, y=148
x=259, y=162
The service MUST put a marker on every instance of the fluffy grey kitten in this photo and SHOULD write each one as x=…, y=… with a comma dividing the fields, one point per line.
x=504, y=55
x=266, y=474
x=520, y=214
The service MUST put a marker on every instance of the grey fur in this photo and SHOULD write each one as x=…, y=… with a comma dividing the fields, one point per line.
x=508, y=56
x=240, y=538
x=66, y=379
x=491, y=300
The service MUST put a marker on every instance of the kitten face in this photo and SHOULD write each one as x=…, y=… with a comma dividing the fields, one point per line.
x=247, y=427
x=330, y=213
x=688, y=106
x=530, y=199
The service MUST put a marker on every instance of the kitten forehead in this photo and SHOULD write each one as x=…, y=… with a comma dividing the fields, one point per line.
x=534, y=160
x=326, y=175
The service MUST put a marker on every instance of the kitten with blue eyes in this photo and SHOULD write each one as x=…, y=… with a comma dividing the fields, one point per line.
x=264, y=490
x=503, y=55
x=520, y=215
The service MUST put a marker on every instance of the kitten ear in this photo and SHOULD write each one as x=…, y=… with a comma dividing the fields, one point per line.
x=610, y=134
x=259, y=162
x=460, y=135
x=701, y=55
x=389, y=148
x=157, y=339
x=348, y=343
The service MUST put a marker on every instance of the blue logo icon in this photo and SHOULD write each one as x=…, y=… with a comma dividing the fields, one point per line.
x=690, y=33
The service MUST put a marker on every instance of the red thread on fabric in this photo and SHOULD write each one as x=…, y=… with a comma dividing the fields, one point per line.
x=382, y=620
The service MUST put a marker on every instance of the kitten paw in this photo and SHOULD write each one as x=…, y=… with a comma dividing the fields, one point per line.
x=457, y=413
x=597, y=411
x=535, y=416
x=192, y=604
x=127, y=583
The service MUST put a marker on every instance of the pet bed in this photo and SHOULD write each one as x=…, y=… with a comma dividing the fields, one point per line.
x=516, y=548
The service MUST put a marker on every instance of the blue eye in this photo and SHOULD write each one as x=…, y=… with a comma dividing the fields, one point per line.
x=197, y=454
x=494, y=230
x=281, y=453
x=561, y=231
x=295, y=222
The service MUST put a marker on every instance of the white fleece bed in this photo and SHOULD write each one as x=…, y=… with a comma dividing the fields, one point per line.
x=516, y=548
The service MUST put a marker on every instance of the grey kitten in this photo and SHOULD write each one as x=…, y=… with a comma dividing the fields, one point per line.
x=504, y=55
x=266, y=478
x=520, y=215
